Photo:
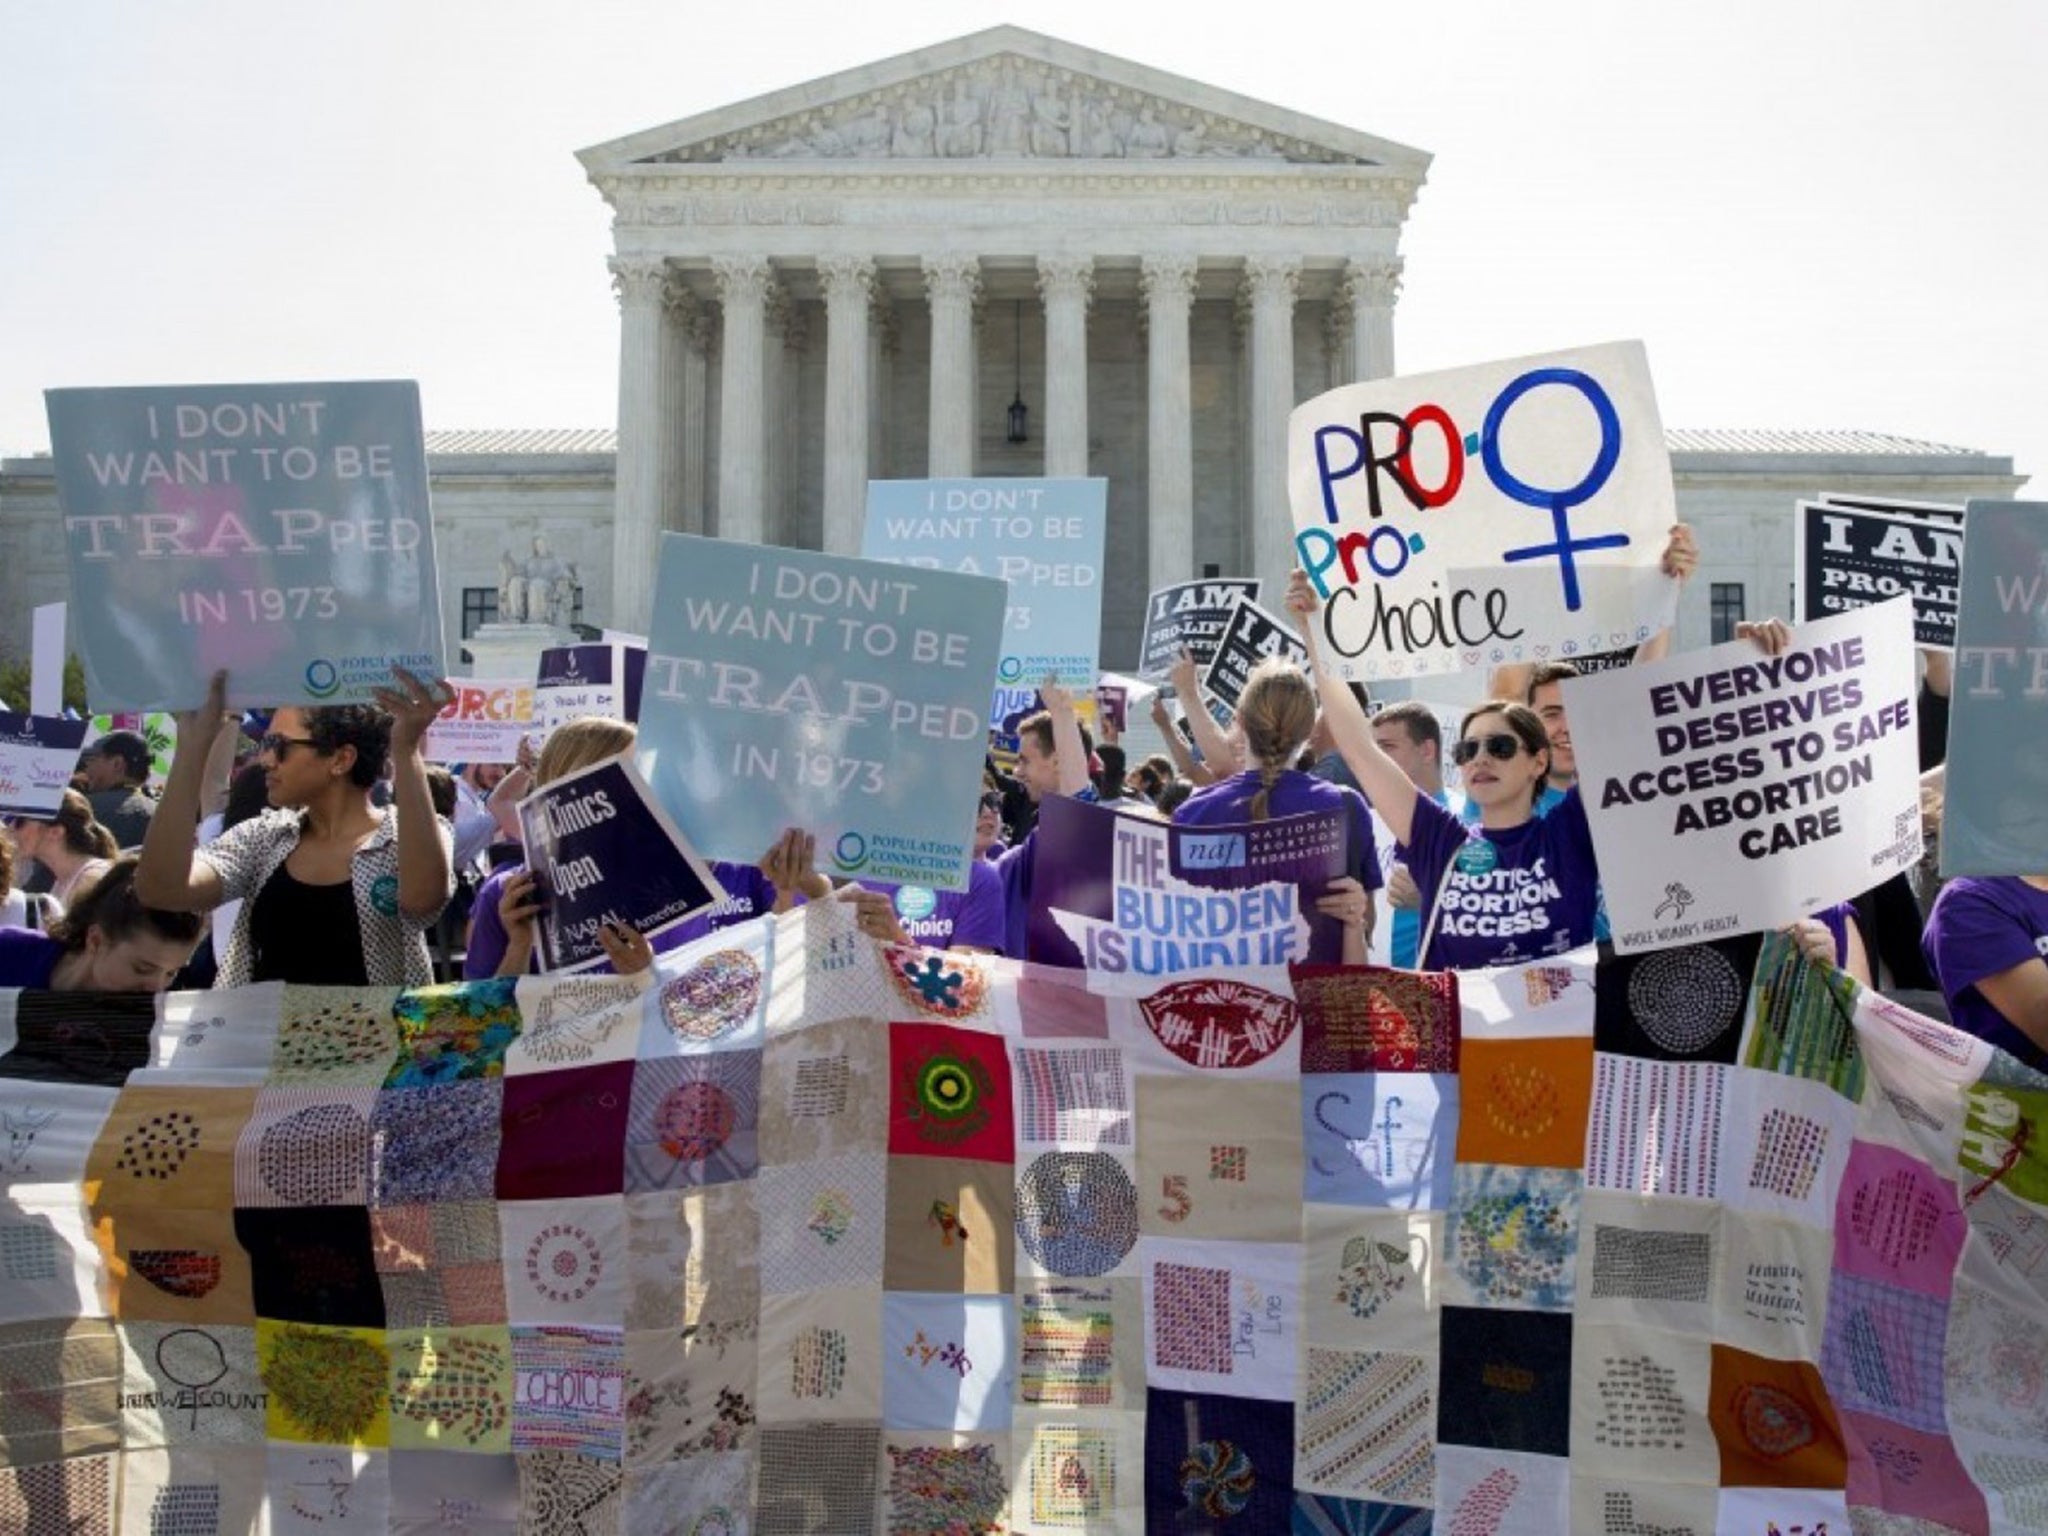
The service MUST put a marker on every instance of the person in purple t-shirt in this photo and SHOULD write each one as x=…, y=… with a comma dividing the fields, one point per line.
x=972, y=919
x=501, y=934
x=1987, y=943
x=1052, y=759
x=1516, y=888
x=1277, y=714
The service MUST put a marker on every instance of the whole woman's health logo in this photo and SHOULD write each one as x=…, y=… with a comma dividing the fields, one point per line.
x=323, y=679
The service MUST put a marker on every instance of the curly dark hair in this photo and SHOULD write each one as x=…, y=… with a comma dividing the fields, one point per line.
x=362, y=726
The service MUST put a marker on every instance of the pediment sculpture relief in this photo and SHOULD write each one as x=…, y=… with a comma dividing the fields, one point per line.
x=1005, y=109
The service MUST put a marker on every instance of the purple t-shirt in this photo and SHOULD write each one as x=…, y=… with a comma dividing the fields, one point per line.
x=1508, y=897
x=973, y=918
x=1229, y=803
x=1978, y=928
x=27, y=958
x=747, y=895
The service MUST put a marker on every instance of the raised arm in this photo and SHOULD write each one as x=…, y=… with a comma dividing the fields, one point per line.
x=1176, y=744
x=1066, y=737
x=169, y=877
x=1387, y=786
x=425, y=878
x=1210, y=741
x=1681, y=559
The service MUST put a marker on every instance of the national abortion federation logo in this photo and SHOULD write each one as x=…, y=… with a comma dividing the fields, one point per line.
x=850, y=853
x=323, y=679
x=1010, y=668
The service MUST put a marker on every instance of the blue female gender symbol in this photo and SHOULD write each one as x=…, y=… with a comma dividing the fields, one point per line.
x=1559, y=503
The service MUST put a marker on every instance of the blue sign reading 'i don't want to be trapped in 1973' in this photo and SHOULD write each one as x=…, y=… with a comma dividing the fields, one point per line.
x=846, y=697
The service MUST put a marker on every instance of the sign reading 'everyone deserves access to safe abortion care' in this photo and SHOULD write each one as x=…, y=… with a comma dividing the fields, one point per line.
x=1776, y=785
x=279, y=531
x=846, y=697
x=1513, y=511
x=1044, y=537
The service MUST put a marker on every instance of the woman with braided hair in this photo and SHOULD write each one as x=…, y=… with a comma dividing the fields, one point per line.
x=1276, y=714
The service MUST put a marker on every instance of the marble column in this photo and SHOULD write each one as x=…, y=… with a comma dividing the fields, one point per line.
x=743, y=283
x=700, y=335
x=645, y=416
x=682, y=367
x=882, y=350
x=951, y=282
x=849, y=283
x=1270, y=284
x=1168, y=284
x=1370, y=289
x=1066, y=283
x=784, y=325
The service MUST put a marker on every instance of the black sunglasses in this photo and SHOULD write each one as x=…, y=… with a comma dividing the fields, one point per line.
x=1502, y=746
x=277, y=746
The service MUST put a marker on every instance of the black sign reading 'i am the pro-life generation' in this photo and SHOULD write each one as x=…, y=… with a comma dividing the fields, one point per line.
x=1253, y=635
x=1851, y=557
x=1190, y=616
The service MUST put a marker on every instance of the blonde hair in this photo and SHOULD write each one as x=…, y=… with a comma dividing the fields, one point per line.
x=1276, y=712
x=576, y=744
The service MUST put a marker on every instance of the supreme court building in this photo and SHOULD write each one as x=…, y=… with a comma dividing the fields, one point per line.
x=864, y=276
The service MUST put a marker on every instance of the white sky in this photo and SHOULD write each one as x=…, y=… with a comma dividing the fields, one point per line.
x=1816, y=214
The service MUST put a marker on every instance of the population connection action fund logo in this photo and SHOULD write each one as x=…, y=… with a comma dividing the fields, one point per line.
x=850, y=853
x=1010, y=668
x=323, y=679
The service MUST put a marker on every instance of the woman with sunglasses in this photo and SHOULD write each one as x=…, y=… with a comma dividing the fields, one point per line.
x=1517, y=887
x=335, y=892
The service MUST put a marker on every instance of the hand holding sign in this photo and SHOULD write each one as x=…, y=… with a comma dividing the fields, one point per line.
x=202, y=726
x=413, y=706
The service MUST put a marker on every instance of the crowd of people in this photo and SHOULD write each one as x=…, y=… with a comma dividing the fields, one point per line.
x=318, y=846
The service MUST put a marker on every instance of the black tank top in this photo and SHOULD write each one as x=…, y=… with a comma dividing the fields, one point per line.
x=307, y=934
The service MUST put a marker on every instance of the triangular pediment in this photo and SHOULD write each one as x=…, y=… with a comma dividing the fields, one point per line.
x=999, y=95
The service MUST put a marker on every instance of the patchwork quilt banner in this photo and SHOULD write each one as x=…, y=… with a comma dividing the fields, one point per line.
x=802, y=1234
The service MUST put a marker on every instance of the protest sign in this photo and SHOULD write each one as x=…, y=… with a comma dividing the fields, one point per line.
x=598, y=679
x=1128, y=894
x=1514, y=511
x=1731, y=792
x=1932, y=511
x=1044, y=537
x=1850, y=557
x=1994, y=818
x=37, y=756
x=601, y=851
x=280, y=531
x=1112, y=706
x=1190, y=616
x=158, y=727
x=46, y=661
x=846, y=697
x=483, y=723
x=1253, y=635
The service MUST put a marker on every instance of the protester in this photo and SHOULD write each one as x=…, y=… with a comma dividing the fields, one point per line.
x=1985, y=942
x=1153, y=775
x=475, y=826
x=988, y=826
x=116, y=767
x=1515, y=887
x=1052, y=759
x=34, y=910
x=971, y=919
x=1408, y=732
x=503, y=940
x=336, y=892
x=108, y=942
x=1833, y=936
x=1277, y=713
x=248, y=798
x=1175, y=795
x=71, y=845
